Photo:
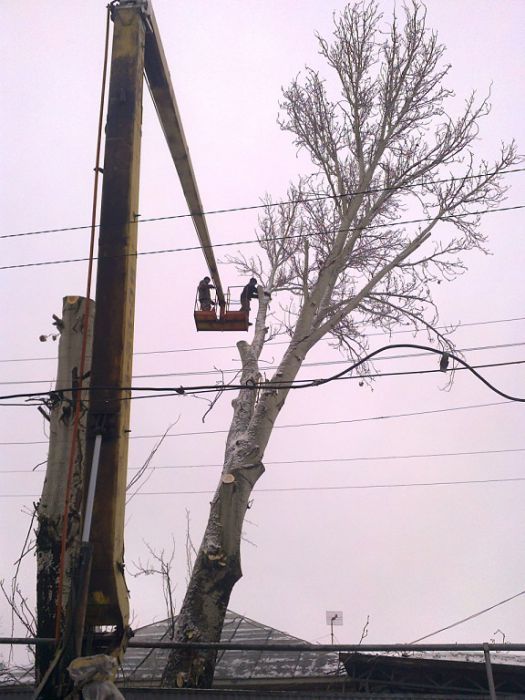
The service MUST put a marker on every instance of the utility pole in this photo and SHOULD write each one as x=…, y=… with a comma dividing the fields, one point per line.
x=50, y=510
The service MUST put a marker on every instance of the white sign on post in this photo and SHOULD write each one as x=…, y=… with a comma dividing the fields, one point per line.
x=334, y=617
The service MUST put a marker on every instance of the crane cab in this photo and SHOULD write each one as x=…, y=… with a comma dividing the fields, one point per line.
x=220, y=318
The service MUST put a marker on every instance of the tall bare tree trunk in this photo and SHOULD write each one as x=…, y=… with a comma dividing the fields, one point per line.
x=340, y=251
x=50, y=510
x=217, y=567
x=216, y=570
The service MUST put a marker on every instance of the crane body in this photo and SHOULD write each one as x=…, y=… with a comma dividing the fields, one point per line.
x=136, y=52
x=98, y=615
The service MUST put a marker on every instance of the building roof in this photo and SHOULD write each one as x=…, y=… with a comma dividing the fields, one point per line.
x=146, y=665
x=314, y=673
x=418, y=674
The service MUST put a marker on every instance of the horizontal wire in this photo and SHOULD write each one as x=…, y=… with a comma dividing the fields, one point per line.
x=372, y=458
x=349, y=487
x=323, y=460
x=326, y=363
x=304, y=200
x=286, y=489
x=255, y=240
x=297, y=384
x=282, y=342
x=303, y=425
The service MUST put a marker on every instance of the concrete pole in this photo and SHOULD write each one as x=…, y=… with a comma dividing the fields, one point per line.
x=50, y=510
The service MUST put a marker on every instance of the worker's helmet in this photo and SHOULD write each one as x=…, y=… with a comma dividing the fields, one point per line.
x=206, y=279
x=253, y=280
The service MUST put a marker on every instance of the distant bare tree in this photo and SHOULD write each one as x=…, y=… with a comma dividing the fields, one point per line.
x=161, y=564
x=364, y=631
x=21, y=611
x=340, y=254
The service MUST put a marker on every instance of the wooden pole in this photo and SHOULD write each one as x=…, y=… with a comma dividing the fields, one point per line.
x=50, y=509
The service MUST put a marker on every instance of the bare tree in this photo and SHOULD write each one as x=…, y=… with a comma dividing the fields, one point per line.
x=389, y=210
x=161, y=565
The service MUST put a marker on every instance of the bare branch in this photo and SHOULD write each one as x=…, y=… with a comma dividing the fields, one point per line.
x=136, y=480
x=161, y=565
x=218, y=395
x=364, y=632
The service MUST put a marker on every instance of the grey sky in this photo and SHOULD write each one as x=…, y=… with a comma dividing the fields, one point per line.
x=413, y=559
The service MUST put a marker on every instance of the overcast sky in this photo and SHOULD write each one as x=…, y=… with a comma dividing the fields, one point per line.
x=412, y=558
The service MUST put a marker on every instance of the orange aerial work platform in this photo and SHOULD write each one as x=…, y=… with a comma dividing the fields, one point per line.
x=228, y=321
x=220, y=318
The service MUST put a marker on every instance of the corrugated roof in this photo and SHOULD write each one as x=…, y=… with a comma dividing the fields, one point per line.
x=146, y=665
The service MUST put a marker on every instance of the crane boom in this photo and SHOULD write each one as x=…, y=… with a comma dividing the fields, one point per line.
x=98, y=607
x=159, y=82
x=112, y=354
x=137, y=50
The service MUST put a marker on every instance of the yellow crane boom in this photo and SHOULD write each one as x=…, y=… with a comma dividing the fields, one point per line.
x=136, y=49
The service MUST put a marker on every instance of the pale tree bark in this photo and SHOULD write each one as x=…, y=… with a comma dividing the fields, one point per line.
x=50, y=510
x=338, y=257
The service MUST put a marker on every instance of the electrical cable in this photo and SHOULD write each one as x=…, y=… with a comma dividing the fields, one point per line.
x=327, y=363
x=415, y=346
x=295, y=384
x=294, y=489
x=323, y=460
x=227, y=244
x=470, y=617
x=300, y=425
x=343, y=487
x=284, y=342
x=304, y=200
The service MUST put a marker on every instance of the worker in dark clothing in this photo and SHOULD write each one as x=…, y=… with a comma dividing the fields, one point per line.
x=203, y=291
x=249, y=292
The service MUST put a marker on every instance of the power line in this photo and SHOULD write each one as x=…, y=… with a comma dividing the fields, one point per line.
x=326, y=363
x=445, y=356
x=324, y=460
x=302, y=425
x=304, y=200
x=375, y=458
x=186, y=249
x=470, y=617
x=350, y=487
x=282, y=342
x=252, y=385
x=163, y=392
x=305, y=383
x=167, y=392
